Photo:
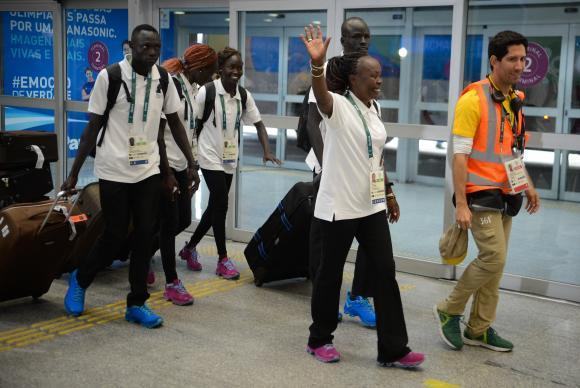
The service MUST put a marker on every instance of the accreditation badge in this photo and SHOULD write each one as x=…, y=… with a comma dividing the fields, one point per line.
x=138, y=149
x=377, y=184
x=230, y=154
x=516, y=172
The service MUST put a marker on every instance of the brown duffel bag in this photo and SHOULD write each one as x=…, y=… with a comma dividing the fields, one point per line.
x=35, y=239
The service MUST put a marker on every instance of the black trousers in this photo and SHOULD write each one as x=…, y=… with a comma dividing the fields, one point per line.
x=373, y=235
x=362, y=284
x=214, y=216
x=121, y=202
x=174, y=217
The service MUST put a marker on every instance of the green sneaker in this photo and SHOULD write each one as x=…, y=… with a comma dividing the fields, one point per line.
x=490, y=339
x=449, y=329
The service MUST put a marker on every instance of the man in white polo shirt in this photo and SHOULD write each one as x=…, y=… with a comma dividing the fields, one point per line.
x=127, y=163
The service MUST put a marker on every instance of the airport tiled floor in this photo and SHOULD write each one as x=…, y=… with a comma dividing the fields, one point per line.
x=238, y=335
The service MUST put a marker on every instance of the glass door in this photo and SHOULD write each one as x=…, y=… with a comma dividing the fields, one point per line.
x=570, y=173
x=543, y=78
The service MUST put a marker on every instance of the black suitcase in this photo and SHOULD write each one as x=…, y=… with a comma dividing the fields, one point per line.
x=26, y=184
x=279, y=249
x=19, y=148
x=88, y=204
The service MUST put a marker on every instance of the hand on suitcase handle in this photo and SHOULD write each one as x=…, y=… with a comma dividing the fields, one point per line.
x=70, y=184
x=59, y=196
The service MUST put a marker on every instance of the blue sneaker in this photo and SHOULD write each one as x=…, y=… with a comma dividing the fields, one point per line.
x=144, y=316
x=74, y=300
x=360, y=307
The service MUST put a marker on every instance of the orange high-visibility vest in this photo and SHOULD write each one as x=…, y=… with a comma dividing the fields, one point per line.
x=485, y=168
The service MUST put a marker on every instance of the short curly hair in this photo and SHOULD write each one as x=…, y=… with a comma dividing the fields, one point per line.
x=225, y=54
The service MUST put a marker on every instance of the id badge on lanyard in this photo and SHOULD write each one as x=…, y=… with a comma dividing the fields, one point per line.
x=516, y=173
x=376, y=176
x=230, y=153
x=377, y=183
x=514, y=166
x=139, y=150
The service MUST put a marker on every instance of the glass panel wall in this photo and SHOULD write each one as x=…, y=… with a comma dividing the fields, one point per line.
x=179, y=29
x=277, y=73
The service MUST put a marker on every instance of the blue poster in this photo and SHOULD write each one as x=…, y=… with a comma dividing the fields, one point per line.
x=94, y=39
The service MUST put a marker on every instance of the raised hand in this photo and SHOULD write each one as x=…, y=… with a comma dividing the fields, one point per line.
x=316, y=46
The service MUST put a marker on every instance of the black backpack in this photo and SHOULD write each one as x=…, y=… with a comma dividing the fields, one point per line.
x=115, y=82
x=302, y=140
x=209, y=105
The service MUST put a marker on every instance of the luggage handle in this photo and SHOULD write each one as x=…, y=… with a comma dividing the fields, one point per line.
x=59, y=196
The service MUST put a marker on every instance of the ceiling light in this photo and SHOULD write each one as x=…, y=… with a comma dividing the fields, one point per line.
x=403, y=52
x=316, y=22
x=179, y=13
x=273, y=15
x=227, y=19
x=546, y=117
x=268, y=20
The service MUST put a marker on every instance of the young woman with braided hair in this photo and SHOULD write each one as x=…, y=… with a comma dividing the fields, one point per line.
x=351, y=201
x=218, y=152
x=195, y=68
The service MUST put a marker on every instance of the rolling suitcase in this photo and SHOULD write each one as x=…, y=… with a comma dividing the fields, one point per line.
x=89, y=204
x=34, y=241
x=27, y=149
x=25, y=185
x=279, y=249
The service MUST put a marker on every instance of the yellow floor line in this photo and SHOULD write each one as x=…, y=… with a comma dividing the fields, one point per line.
x=50, y=329
x=63, y=325
x=433, y=383
x=34, y=341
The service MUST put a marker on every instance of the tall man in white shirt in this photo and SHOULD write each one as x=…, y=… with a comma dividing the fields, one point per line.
x=127, y=163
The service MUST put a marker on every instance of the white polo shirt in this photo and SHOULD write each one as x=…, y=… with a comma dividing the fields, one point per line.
x=345, y=186
x=211, y=140
x=176, y=159
x=112, y=157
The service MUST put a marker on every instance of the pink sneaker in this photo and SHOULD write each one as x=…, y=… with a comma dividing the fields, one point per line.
x=177, y=294
x=190, y=256
x=226, y=269
x=411, y=360
x=150, y=277
x=324, y=353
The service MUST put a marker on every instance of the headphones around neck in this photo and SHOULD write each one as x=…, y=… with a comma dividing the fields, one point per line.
x=497, y=96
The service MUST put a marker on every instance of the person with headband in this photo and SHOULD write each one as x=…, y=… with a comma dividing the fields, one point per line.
x=218, y=142
x=353, y=149
x=189, y=73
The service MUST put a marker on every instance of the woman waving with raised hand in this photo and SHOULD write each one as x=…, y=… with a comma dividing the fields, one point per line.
x=354, y=200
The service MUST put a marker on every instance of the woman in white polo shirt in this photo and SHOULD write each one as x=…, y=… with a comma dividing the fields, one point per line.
x=195, y=68
x=218, y=152
x=351, y=202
